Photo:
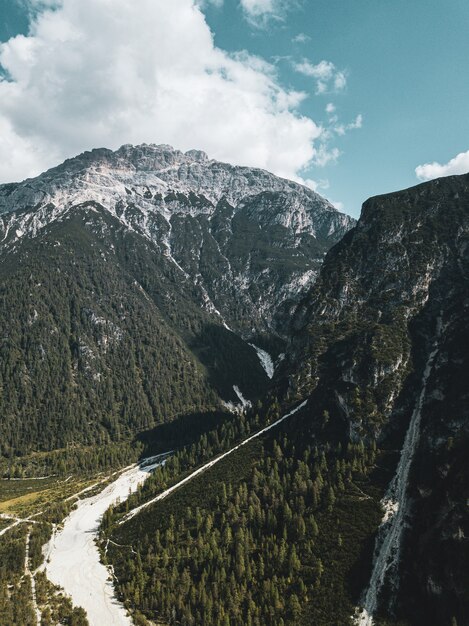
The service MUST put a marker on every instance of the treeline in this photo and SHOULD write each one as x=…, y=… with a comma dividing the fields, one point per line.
x=85, y=358
x=98, y=346
x=57, y=608
x=15, y=589
x=16, y=600
x=78, y=459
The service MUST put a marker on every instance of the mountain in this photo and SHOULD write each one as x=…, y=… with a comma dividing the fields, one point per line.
x=132, y=284
x=149, y=288
x=235, y=233
x=359, y=499
x=381, y=344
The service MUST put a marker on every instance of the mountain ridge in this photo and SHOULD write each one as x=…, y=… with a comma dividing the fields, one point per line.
x=183, y=203
x=365, y=337
x=160, y=166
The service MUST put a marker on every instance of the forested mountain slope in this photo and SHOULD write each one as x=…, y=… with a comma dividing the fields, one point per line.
x=121, y=275
x=394, y=292
x=132, y=284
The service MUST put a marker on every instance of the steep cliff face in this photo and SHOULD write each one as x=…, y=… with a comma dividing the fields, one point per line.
x=247, y=240
x=354, y=331
x=365, y=336
x=434, y=572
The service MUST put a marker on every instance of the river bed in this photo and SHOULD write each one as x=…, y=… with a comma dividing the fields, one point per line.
x=72, y=557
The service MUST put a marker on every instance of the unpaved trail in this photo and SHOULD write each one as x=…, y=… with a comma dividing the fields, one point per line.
x=29, y=573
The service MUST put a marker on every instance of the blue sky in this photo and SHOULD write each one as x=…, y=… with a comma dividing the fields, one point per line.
x=407, y=75
x=400, y=65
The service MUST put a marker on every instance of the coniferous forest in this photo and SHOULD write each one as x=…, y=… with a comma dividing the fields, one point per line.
x=271, y=536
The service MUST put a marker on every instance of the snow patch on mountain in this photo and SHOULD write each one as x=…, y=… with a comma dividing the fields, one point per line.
x=265, y=360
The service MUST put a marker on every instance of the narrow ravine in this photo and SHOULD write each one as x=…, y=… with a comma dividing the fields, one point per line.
x=396, y=506
x=72, y=557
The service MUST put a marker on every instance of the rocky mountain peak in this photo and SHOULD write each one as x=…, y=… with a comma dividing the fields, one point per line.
x=246, y=239
x=102, y=175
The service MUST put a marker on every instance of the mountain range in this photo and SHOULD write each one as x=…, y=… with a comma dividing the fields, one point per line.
x=147, y=286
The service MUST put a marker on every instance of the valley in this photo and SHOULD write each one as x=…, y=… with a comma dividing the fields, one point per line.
x=223, y=402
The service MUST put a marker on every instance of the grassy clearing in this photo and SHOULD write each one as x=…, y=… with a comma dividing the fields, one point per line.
x=25, y=498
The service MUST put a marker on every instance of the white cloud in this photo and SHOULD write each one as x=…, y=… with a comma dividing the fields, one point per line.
x=324, y=155
x=340, y=81
x=33, y=5
x=328, y=78
x=316, y=185
x=342, y=129
x=205, y=3
x=324, y=70
x=257, y=7
x=100, y=73
x=19, y=156
x=260, y=12
x=458, y=165
x=312, y=184
x=301, y=38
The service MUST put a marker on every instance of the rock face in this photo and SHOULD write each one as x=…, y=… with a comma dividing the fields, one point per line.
x=248, y=240
x=363, y=336
x=121, y=274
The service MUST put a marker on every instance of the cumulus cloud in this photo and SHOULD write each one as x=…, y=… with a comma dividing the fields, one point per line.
x=20, y=156
x=328, y=78
x=458, y=165
x=102, y=73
